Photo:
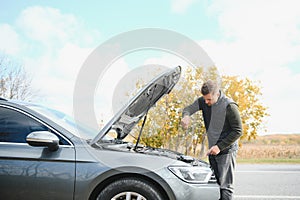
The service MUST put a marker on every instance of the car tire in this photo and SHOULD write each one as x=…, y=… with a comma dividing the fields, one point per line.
x=130, y=188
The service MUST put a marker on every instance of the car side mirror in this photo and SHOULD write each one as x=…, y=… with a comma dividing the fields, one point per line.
x=43, y=139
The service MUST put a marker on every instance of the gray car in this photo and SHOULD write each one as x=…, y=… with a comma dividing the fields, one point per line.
x=44, y=154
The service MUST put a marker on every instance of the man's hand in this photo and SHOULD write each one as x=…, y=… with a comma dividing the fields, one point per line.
x=214, y=150
x=185, y=121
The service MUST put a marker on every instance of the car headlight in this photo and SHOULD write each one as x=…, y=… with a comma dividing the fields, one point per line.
x=191, y=174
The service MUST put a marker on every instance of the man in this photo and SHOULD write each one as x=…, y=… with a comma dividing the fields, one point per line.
x=223, y=126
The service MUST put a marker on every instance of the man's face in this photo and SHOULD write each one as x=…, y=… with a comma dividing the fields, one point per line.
x=211, y=98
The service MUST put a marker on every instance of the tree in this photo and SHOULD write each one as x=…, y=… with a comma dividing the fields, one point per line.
x=246, y=94
x=15, y=83
x=162, y=128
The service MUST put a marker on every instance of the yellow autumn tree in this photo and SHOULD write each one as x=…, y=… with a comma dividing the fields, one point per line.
x=247, y=94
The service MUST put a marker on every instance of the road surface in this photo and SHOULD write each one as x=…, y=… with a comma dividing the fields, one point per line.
x=263, y=182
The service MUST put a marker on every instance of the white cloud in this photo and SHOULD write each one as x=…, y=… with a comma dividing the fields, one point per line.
x=271, y=18
x=181, y=6
x=168, y=60
x=106, y=89
x=52, y=28
x=69, y=60
x=9, y=40
x=54, y=46
x=47, y=25
x=55, y=77
x=261, y=39
x=282, y=94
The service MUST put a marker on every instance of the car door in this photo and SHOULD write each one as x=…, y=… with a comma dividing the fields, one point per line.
x=28, y=172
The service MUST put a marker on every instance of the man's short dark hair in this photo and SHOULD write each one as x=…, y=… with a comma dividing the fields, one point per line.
x=209, y=87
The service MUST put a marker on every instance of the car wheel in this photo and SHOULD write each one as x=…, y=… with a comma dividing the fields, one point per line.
x=130, y=189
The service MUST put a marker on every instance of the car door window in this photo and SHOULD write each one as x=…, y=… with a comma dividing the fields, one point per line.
x=15, y=126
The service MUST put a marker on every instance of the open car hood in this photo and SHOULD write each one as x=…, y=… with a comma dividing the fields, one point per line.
x=124, y=121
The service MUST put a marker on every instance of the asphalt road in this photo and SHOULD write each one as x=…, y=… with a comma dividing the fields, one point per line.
x=262, y=182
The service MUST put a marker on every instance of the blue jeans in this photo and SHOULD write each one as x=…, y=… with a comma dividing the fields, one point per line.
x=223, y=166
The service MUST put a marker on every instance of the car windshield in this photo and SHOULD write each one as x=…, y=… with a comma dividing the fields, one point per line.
x=67, y=122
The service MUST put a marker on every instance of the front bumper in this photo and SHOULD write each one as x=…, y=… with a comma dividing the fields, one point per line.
x=182, y=190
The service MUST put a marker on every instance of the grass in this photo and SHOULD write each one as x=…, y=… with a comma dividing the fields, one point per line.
x=280, y=148
x=269, y=161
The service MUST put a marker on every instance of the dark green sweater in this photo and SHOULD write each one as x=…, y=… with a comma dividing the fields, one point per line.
x=231, y=127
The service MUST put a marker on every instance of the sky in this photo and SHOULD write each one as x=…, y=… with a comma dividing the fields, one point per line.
x=259, y=40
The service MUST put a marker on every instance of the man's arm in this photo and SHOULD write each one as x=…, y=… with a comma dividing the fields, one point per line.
x=187, y=112
x=191, y=109
x=234, y=119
